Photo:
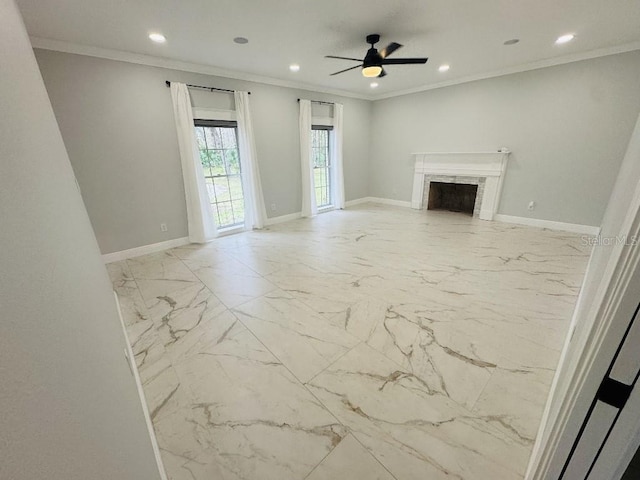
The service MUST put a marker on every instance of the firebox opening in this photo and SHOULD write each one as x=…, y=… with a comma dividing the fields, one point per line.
x=455, y=197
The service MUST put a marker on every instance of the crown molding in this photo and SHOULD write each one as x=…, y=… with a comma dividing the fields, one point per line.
x=551, y=62
x=153, y=61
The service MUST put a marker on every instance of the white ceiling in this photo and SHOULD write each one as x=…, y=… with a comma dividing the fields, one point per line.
x=467, y=34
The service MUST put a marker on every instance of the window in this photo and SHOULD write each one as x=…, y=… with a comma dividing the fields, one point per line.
x=218, y=144
x=321, y=164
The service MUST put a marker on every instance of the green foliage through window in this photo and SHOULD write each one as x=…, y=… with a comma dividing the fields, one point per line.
x=222, y=171
x=321, y=166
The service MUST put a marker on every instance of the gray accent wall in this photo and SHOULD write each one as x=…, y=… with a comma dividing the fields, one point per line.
x=568, y=127
x=69, y=408
x=117, y=123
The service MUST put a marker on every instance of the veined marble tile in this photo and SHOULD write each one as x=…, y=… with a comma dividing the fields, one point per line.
x=160, y=274
x=305, y=342
x=350, y=461
x=132, y=305
x=120, y=275
x=222, y=263
x=268, y=259
x=258, y=420
x=515, y=397
x=158, y=265
x=432, y=337
x=414, y=432
x=147, y=348
x=187, y=318
x=446, y=364
x=234, y=288
x=326, y=293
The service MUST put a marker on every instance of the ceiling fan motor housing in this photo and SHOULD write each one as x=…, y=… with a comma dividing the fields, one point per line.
x=372, y=58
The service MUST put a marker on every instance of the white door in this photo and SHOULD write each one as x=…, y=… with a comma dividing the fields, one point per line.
x=609, y=435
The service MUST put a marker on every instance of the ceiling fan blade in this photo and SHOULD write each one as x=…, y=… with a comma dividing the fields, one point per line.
x=343, y=58
x=403, y=61
x=389, y=49
x=382, y=74
x=346, y=69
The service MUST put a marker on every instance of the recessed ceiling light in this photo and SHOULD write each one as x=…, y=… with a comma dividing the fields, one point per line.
x=443, y=68
x=565, y=38
x=157, y=37
x=241, y=40
x=373, y=84
x=513, y=41
x=294, y=67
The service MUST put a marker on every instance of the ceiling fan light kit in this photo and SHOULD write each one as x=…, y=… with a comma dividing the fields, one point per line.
x=372, y=71
x=372, y=65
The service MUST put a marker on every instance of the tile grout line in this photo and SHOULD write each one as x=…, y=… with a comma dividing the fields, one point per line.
x=351, y=432
x=333, y=362
x=207, y=287
x=355, y=436
x=324, y=407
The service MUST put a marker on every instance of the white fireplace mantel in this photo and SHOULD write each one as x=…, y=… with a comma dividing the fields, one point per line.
x=490, y=166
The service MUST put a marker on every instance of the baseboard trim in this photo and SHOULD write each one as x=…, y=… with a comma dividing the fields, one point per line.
x=379, y=200
x=389, y=201
x=357, y=201
x=131, y=359
x=144, y=250
x=283, y=218
x=550, y=224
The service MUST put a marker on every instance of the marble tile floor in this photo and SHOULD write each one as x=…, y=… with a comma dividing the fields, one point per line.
x=371, y=343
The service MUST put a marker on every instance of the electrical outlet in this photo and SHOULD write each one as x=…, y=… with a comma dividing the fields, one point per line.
x=273, y=207
x=532, y=205
x=163, y=227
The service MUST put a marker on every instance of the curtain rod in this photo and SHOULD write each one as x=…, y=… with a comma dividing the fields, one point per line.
x=211, y=89
x=321, y=103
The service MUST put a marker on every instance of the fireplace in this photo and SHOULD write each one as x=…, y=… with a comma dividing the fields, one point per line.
x=456, y=194
x=454, y=197
x=482, y=170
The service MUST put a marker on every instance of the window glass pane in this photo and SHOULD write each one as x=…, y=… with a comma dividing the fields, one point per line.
x=210, y=190
x=235, y=185
x=217, y=162
x=202, y=144
x=229, y=138
x=213, y=137
x=233, y=161
x=238, y=211
x=321, y=160
x=225, y=213
x=206, y=161
x=222, y=169
x=221, y=189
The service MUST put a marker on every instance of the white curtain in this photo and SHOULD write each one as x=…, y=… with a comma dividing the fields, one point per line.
x=254, y=208
x=202, y=226
x=337, y=180
x=309, y=207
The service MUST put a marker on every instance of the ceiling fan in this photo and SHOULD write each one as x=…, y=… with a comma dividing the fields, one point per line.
x=372, y=65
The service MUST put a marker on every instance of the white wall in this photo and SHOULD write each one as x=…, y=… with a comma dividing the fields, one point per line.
x=588, y=320
x=117, y=123
x=68, y=403
x=568, y=127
